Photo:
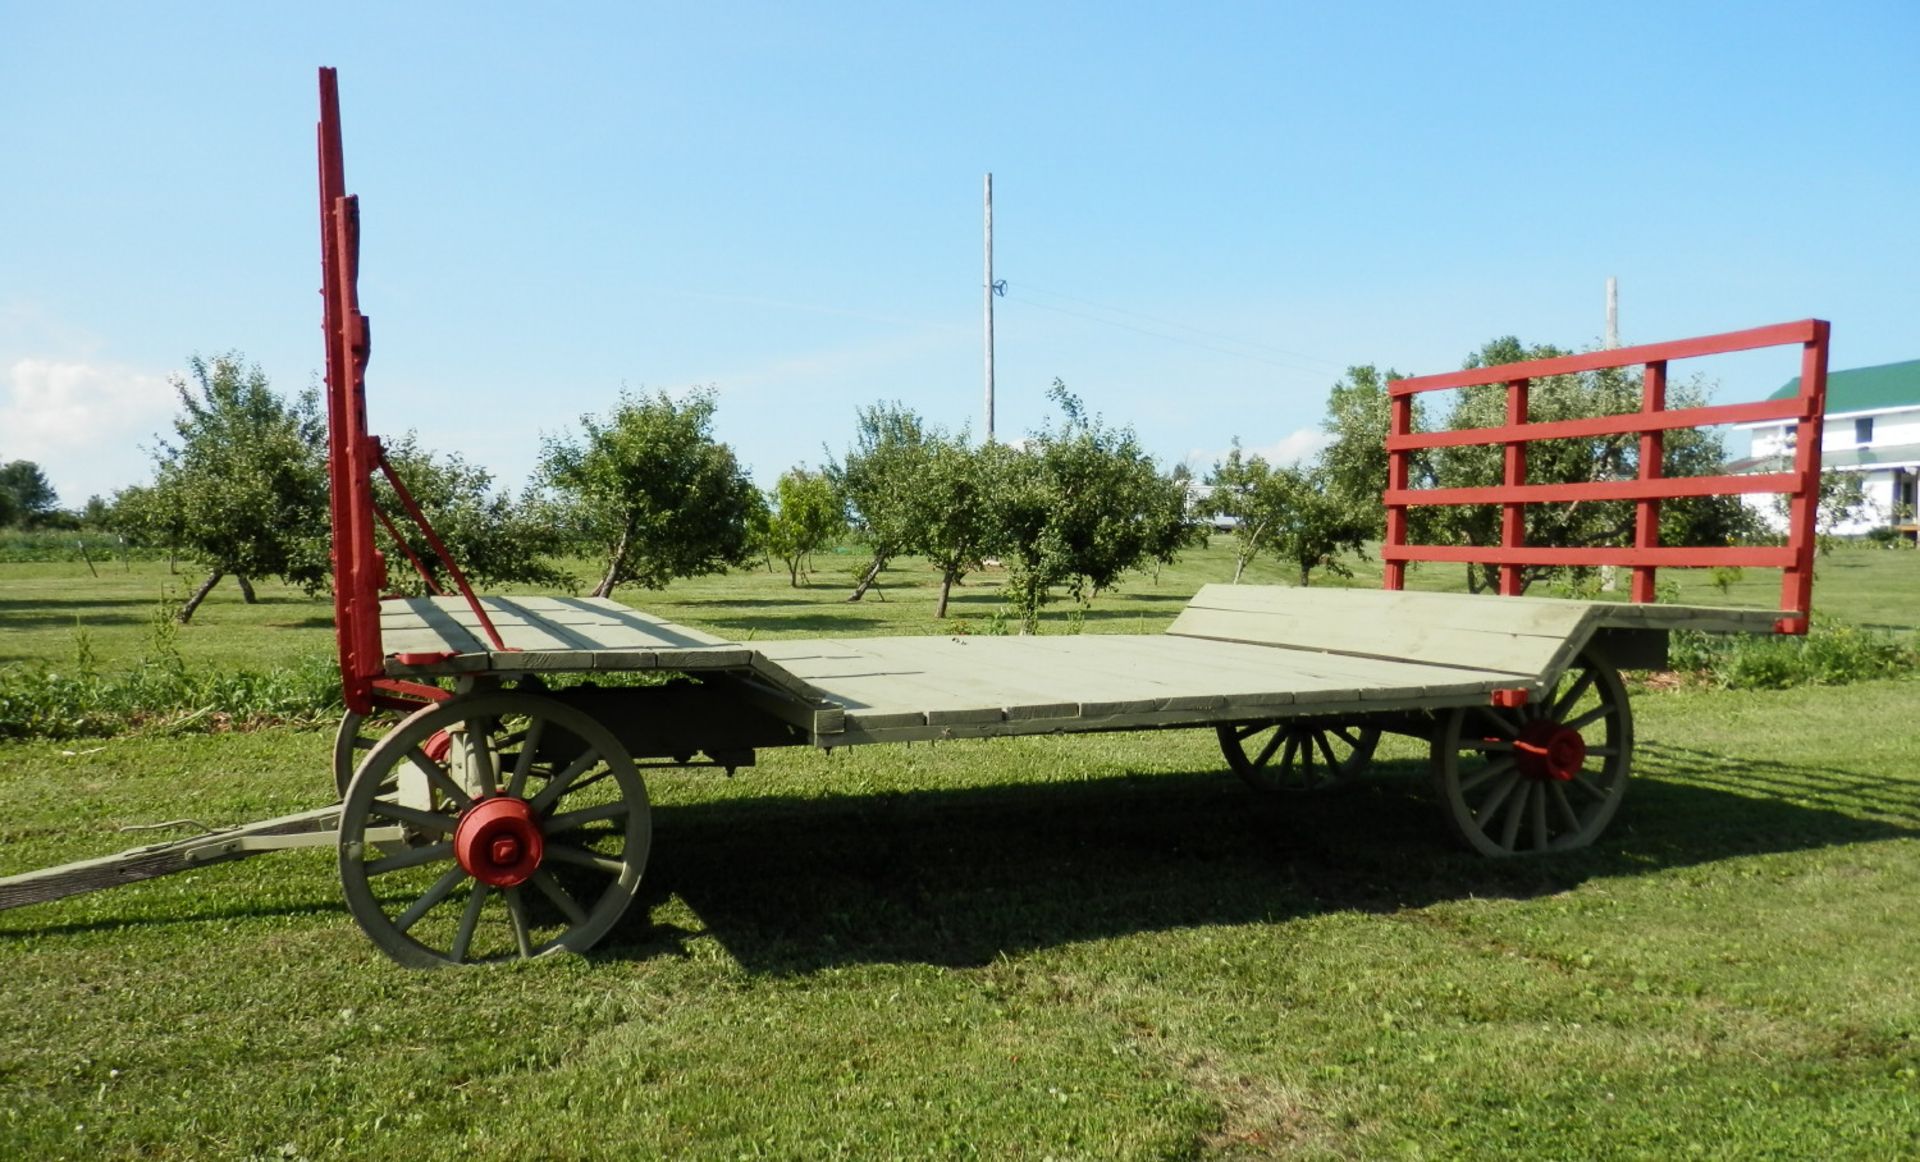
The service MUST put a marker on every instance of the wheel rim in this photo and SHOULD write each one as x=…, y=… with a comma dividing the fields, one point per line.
x=1546, y=776
x=1297, y=755
x=357, y=735
x=527, y=837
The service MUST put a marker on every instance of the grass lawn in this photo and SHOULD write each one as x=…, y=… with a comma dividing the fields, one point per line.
x=1093, y=947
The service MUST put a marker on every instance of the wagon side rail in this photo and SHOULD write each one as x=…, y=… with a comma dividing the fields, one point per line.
x=1647, y=490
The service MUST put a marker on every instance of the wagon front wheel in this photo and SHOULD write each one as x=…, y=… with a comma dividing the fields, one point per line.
x=1300, y=755
x=496, y=826
x=1546, y=776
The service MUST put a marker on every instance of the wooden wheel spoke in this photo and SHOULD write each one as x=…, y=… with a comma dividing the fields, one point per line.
x=1490, y=806
x=1280, y=735
x=523, y=762
x=441, y=889
x=1581, y=781
x=1537, y=803
x=1559, y=795
x=1516, y=811
x=1497, y=767
x=1589, y=718
x=562, y=782
x=572, y=819
x=1326, y=750
x=413, y=816
x=550, y=887
x=469, y=920
x=1243, y=733
x=517, y=917
x=412, y=857
x=482, y=764
x=579, y=857
x=1572, y=697
x=439, y=780
x=1348, y=736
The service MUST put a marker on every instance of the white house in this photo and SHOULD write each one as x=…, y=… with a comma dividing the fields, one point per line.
x=1873, y=428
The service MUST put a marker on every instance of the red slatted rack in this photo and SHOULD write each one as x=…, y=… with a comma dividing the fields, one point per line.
x=1651, y=423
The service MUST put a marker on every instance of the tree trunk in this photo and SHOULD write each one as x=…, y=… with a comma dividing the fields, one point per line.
x=1239, y=567
x=946, y=587
x=246, y=589
x=867, y=582
x=793, y=572
x=186, y=611
x=1306, y=573
x=611, y=577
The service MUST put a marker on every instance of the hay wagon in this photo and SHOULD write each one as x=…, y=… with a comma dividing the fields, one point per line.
x=489, y=810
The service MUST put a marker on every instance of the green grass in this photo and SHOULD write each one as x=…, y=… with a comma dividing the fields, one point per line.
x=1095, y=947
x=1092, y=947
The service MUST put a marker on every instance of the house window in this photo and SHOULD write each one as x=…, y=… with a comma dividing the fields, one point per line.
x=1863, y=431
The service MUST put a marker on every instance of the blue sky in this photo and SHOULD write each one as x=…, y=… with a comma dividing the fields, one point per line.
x=1203, y=213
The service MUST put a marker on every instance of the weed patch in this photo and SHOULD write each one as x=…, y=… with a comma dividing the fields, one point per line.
x=1833, y=654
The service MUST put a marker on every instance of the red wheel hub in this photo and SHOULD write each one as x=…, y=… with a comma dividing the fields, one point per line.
x=1547, y=750
x=498, y=841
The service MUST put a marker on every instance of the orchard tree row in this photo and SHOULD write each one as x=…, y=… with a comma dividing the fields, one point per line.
x=647, y=494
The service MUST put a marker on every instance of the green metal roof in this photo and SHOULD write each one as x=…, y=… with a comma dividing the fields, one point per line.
x=1866, y=389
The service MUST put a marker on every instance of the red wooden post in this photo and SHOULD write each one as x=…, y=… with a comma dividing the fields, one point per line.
x=1653, y=443
x=1796, y=581
x=1399, y=423
x=1513, y=515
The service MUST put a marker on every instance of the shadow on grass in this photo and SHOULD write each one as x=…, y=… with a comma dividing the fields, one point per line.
x=834, y=623
x=47, y=612
x=317, y=621
x=958, y=877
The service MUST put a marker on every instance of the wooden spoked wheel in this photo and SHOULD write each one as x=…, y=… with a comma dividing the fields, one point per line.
x=358, y=733
x=1546, y=776
x=494, y=826
x=356, y=736
x=1298, y=755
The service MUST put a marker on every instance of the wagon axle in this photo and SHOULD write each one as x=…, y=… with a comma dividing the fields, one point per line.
x=1548, y=750
x=498, y=841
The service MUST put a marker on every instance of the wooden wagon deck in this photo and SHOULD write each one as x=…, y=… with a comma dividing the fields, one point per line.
x=1234, y=653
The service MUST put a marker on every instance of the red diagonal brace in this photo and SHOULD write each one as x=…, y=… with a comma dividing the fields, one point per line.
x=439, y=547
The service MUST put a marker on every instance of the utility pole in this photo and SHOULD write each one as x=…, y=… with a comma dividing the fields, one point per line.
x=1613, y=311
x=987, y=292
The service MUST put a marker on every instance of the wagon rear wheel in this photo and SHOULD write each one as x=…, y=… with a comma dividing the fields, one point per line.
x=1546, y=776
x=1297, y=755
x=495, y=826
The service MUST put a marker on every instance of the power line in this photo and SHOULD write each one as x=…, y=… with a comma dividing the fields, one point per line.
x=1162, y=335
x=1234, y=339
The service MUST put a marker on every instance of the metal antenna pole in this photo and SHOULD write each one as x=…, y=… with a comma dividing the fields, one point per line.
x=1613, y=311
x=987, y=292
